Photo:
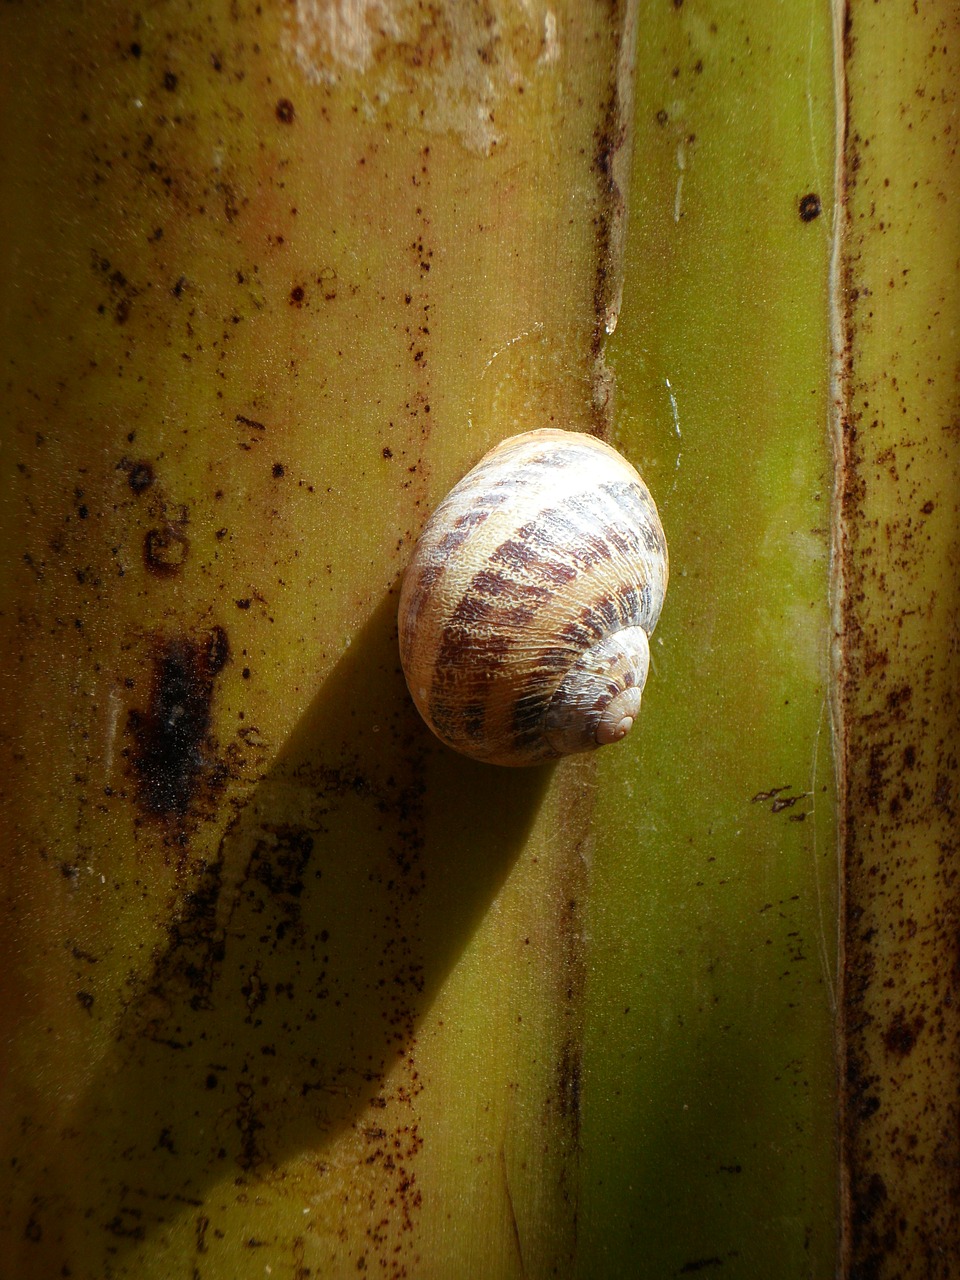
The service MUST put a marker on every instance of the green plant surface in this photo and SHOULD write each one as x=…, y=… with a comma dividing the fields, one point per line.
x=709, y=1131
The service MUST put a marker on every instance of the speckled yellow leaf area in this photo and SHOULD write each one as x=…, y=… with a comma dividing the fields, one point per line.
x=899, y=619
x=449, y=74
x=287, y=989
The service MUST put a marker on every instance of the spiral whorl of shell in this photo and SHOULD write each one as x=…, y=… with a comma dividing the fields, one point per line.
x=525, y=612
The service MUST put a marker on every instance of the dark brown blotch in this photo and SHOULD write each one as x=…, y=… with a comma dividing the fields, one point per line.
x=901, y=1035
x=809, y=207
x=140, y=476
x=476, y=647
x=173, y=752
x=165, y=550
x=218, y=650
x=474, y=719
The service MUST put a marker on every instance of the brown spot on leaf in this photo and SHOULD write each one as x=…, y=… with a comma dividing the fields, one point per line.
x=901, y=1035
x=809, y=207
x=165, y=550
x=173, y=752
x=140, y=476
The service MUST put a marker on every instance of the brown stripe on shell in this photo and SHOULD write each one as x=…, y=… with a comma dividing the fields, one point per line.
x=489, y=617
x=576, y=636
x=631, y=607
x=488, y=622
x=418, y=596
x=462, y=687
x=557, y=530
x=605, y=616
x=474, y=719
x=496, y=599
x=521, y=554
x=637, y=505
x=463, y=527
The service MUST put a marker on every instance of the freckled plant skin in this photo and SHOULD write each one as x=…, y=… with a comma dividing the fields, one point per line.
x=899, y=617
x=285, y=986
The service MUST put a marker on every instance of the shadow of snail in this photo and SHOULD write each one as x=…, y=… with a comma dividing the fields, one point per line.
x=305, y=954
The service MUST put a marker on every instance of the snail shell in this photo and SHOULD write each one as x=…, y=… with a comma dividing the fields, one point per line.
x=525, y=612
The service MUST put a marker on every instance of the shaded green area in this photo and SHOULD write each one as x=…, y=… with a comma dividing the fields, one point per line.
x=709, y=1098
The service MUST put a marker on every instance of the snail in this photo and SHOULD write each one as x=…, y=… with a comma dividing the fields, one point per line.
x=526, y=610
